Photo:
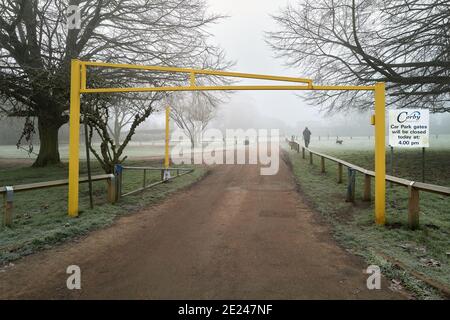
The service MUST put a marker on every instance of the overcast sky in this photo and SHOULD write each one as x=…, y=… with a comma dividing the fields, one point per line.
x=242, y=37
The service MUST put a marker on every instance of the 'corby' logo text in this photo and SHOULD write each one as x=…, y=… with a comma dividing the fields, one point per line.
x=406, y=117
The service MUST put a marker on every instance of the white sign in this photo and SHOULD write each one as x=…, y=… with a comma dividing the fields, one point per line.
x=166, y=175
x=409, y=128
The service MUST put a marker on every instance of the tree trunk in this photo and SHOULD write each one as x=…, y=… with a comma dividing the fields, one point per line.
x=117, y=130
x=48, y=137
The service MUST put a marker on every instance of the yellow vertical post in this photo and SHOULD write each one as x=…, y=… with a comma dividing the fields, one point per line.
x=380, y=153
x=166, y=159
x=74, y=137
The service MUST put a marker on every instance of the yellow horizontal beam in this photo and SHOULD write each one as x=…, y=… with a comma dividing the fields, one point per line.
x=193, y=72
x=224, y=88
x=197, y=71
x=343, y=88
x=194, y=88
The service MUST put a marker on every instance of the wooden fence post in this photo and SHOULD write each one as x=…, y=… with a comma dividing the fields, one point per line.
x=367, y=188
x=413, y=207
x=322, y=164
x=112, y=184
x=310, y=157
x=8, y=202
x=339, y=178
x=303, y=152
x=351, y=185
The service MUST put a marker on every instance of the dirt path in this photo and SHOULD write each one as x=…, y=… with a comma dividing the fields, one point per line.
x=234, y=235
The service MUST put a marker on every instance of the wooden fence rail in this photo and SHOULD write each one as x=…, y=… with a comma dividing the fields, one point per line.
x=114, y=182
x=414, y=187
x=9, y=191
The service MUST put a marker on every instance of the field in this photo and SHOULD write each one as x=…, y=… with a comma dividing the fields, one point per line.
x=407, y=163
x=133, y=150
x=40, y=217
x=425, y=250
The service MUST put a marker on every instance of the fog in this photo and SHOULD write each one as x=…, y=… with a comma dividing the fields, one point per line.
x=242, y=36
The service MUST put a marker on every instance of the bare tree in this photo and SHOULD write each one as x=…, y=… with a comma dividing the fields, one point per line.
x=139, y=108
x=405, y=43
x=135, y=108
x=192, y=112
x=36, y=49
x=121, y=116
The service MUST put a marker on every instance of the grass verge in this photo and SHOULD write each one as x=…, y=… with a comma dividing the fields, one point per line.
x=424, y=250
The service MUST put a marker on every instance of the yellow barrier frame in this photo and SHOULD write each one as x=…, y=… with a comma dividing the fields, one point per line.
x=166, y=149
x=79, y=86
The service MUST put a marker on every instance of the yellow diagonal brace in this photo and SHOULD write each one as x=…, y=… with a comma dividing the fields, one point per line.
x=198, y=71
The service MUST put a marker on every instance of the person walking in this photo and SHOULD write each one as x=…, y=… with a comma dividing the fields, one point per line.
x=306, y=136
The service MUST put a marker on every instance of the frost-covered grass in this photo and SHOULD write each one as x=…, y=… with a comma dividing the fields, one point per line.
x=440, y=142
x=133, y=150
x=354, y=223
